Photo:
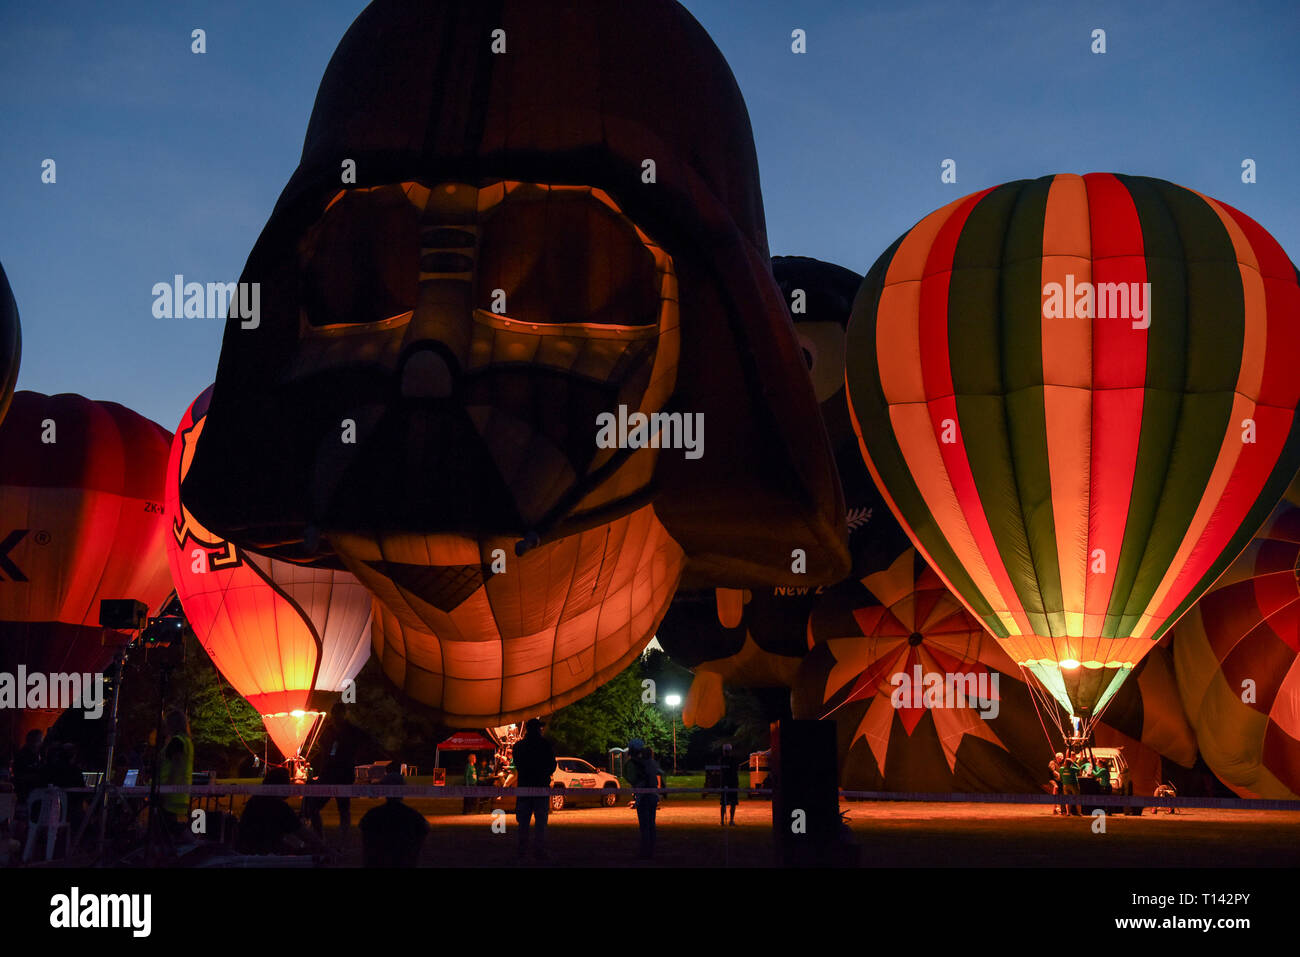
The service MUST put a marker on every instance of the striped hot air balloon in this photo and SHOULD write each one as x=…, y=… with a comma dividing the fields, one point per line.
x=1078, y=394
x=287, y=636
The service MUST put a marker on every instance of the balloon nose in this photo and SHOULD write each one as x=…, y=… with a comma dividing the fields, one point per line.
x=426, y=375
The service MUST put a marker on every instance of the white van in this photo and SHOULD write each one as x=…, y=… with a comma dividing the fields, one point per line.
x=1121, y=778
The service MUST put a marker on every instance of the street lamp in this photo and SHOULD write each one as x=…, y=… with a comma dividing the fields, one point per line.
x=673, y=701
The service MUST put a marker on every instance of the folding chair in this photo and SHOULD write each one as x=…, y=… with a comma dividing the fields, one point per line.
x=47, y=808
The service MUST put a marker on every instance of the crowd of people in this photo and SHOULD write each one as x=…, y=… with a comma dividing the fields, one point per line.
x=392, y=834
x=45, y=762
x=495, y=770
x=1067, y=769
x=42, y=763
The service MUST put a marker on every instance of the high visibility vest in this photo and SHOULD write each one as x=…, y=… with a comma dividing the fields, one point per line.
x=178, y=770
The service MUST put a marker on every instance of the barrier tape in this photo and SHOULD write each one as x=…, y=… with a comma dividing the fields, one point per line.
x=433, y=791
x=390, y=790
x=1086, y=800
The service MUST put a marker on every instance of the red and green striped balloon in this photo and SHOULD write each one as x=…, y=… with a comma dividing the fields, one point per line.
x=1078, y=394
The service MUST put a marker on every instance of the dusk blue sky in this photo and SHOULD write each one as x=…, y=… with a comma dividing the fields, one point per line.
x=169, y=162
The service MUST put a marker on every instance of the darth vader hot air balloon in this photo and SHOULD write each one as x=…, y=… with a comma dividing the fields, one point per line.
x=517, y=335
x=81, y=520
x=11, y=343
x=288, y=637
x=1077, y=393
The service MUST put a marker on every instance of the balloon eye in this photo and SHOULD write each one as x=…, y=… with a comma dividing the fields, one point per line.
x=566, y=258
x=822, y=343
x=361, y=262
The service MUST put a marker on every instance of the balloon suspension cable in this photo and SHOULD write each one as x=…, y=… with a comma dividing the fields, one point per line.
x=828, y=713
x=1095, y=718
x=221, y=687
x=1047, y=703
x=848, y=699
x=316, y=729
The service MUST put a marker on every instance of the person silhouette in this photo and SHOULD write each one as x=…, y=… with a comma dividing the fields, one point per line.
x=643, y=771
x=534, y=765
x=393, y=833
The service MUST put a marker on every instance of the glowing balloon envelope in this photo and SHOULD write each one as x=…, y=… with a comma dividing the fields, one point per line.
x=81, y=520
x=1078, y=394
x=285, y=636
x=497, y=648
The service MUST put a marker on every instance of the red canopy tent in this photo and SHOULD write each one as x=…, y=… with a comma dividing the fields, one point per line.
x=464, y=741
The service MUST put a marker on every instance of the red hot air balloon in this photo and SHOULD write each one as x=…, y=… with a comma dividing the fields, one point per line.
x=1078, y=394
x=81, y=520
x=1237, y=659
x=285, y=635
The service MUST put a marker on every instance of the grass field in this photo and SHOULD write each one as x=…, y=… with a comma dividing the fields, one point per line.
x=889, y=834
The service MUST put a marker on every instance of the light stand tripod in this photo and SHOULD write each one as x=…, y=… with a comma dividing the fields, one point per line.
x=99, y=804
x=159, y=633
